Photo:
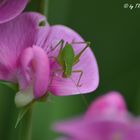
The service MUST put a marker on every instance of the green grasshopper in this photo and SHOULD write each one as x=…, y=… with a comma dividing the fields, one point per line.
x=67, y=58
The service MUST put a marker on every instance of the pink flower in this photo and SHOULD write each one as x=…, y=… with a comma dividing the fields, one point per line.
x=106, y=119
x=9, y=9
x=26, y=59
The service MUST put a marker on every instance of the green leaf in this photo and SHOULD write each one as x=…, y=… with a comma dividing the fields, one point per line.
x=21, y=114
x=10, y=85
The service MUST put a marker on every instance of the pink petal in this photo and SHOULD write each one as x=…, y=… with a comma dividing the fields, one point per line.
x=89, y=130
x=70, y=127
x=35, y=67
x=15, y=36
x=110, y=105
x=9, y=9
x=134, y=130
x=64, y=138
x=106, y=119
x=68, y=86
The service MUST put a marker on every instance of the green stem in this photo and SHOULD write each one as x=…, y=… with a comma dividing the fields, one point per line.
x=43, y=8
x=26, y=126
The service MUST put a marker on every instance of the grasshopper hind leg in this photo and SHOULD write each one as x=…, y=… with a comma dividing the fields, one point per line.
x=61, y=43
x=80, y=76
x=77, y=56
x=87, y=44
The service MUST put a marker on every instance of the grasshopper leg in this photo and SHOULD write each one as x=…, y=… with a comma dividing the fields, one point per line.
x=61, y=43
x=77, y=56
x=81, y=42
x=80, y=76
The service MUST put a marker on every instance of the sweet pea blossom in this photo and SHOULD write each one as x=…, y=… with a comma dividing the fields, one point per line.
x=9, y=9
x=106, y=119
x=26, y=59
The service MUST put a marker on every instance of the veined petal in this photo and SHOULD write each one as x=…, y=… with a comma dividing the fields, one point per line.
x=9, y=9
x=16, y=35
x=87, y=64
x=35, y=67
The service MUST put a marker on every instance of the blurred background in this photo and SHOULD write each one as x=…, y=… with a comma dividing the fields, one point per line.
x=115, y=35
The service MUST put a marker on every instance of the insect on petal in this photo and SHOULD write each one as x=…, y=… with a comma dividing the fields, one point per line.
x=87, y=64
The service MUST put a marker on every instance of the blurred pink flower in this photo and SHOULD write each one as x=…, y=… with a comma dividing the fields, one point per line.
x=106, y=119
x=25, y=58
x=9, y=9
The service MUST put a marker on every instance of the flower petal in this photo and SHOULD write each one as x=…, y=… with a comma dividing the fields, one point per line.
x=89, y=130
x=35, y=67
x=105, y=119
x=134, y=130
x=64, y=138
x=108, y=106
x=24, y=97
x=15, y=36
x=9, y=9
x=87, y=64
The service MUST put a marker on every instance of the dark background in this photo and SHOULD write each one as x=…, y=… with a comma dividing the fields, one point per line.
x=115, y=35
